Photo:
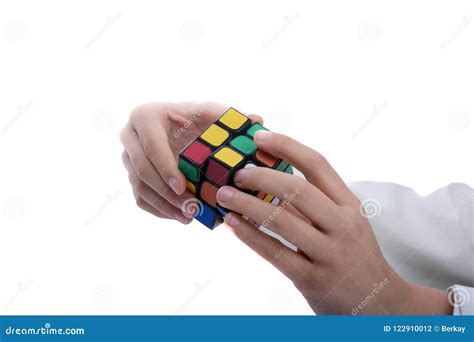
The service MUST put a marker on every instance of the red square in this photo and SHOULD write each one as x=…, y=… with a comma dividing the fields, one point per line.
x=197, y=152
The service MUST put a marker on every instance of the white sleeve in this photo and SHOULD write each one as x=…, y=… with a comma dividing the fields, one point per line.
x=462, y=300
x=426, y=239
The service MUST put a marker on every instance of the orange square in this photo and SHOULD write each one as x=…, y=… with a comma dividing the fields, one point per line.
x=208, y=193
x=266, y=158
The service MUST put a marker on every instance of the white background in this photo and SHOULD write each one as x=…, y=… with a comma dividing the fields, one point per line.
x=383, y=89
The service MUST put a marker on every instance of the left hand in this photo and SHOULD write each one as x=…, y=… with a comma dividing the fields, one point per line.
x=341, y=269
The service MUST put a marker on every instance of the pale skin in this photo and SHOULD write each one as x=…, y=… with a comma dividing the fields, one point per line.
x=338, y=264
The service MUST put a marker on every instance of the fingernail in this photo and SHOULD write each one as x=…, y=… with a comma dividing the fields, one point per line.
x=240, y=176
x=232, y=220
x=224, y=194
x=262, y=135
x=181, y=218
x=173, y=182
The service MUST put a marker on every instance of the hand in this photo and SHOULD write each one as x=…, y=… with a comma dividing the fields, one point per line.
x=339, y=267
x=153, y=137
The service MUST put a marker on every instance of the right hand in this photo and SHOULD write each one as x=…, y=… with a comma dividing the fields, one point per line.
x=153, y=138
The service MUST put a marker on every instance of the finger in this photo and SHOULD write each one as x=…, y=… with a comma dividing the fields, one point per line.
x=147, y=172
x=279, y=220
x=255, y=118
x=144, y=205
x=154, y=141
x=291, y=264
x=308, y=199
x=201, y=115
x=144, y=193
x=313, y=165
x=160, y=204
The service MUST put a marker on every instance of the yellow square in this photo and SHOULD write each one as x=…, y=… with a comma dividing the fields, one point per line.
x=233, y=119
x=191, y=188
x=268, y=198
x=228, y=156
x=215, y=135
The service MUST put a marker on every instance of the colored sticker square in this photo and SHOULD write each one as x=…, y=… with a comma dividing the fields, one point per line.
x=265, y=158
x=191, y=188
x=215, y=135
x=268, y=198
x=282, y=166
x=255, y=127
x=207, y=216
x=289, y=169
x=190, y=171
x=218, y=173
x=243, y=144
x=275, y=201
x=228, y=156
x=208, y=193
x=197, y=152
x=233, y=119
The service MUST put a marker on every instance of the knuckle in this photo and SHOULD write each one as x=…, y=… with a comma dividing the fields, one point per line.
x=273, y=250
x=151, y=149
x=141, y=203
x=240, y=202
x=317, y=158
x=300, y=184
x=141, y=187
x=142, y=171
x=133, y=179
x=136, y=114
x=282, y=219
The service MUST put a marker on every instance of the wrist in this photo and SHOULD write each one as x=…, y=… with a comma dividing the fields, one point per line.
x=425, y=300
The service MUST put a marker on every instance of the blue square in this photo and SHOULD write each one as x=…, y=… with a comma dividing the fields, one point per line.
x=207, y=216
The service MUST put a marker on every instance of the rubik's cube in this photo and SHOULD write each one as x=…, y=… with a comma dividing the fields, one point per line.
x=210, y=161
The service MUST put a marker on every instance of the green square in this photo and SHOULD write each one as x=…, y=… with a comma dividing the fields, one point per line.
x=289, y=169
x=243, y=144
x=256, y=127
x=282, y=166
x=189, y=170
